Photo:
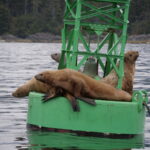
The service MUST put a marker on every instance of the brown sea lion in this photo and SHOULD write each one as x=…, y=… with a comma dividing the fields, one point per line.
x=129, y=71
x=48, y=90
x=31, y=85
x=81, y=85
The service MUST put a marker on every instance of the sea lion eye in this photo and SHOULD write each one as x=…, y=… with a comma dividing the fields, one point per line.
x=130, y=55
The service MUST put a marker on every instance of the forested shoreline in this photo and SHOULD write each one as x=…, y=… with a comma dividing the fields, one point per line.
x=23, y=18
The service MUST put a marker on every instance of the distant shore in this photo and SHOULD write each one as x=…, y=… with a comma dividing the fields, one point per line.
x=50, y=38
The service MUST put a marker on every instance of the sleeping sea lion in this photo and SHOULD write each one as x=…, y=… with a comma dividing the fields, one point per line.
x=49, y=91
x=81, y=85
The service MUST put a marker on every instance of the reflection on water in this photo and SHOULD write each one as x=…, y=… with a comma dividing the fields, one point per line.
x=71, y=141
x=18, y=63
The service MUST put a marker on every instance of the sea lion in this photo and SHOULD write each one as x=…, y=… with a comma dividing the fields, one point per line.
x=129, y=71
x=56, y=57
x=81, y=85
x=31, y=85
x=49, y=91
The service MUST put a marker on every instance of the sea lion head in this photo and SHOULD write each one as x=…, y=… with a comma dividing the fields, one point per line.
x=131, y=56
x=56, y=56
x=40, y=77
x=45, y=77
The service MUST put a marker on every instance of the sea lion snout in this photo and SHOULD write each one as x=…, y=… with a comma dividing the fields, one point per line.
x=131, y=56
x=136, y=55
x=40, y=77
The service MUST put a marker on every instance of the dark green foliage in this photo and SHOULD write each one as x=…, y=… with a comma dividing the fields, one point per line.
x=139, y=17
x=4, y=19
x=24, y=17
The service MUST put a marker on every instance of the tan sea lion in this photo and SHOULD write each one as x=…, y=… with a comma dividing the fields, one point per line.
x=81, y=85
x=31, y=85
x=129, y=71
x=50, y=91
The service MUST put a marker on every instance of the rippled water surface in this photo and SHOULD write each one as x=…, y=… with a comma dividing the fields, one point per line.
x=18, y=63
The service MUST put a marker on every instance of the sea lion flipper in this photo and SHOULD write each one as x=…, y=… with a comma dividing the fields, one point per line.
x=87, y=100
x=73, y=101
x=47, y=97
x=75, y=105
x=54, y=92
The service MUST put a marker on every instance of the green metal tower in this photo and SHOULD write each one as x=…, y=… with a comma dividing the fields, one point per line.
x=103, y=21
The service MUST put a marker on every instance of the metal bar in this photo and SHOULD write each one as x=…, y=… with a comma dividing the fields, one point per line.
x=70, y=40
x=82, y=61
x=69, y=8
x=99, y=11
x=114, y=66
x=95, y=8
x=124, y=38
x=93, y=54
x=76, y=33
x=101, y=63
x=112, y=1
x=102, y=43
x=114, y=18
x=84, y=42
x=62, y=59
x=94, y=26
x=108, y=64
x=114, y=46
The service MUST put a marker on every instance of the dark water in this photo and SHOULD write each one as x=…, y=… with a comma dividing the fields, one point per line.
x=18, y=63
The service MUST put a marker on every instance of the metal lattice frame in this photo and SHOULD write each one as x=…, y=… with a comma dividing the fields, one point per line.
x=111, y=28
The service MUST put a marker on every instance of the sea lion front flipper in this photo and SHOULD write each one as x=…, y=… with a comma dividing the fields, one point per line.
x=48, y=97
x=54, y=92
x=73, y=101
x=87, y=100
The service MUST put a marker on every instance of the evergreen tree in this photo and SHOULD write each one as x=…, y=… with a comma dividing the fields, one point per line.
x=24, y=17
x=4, y=19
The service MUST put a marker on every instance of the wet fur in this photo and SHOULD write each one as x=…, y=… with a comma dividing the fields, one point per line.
x=51, y=92
x=129, y=71
x=81, y=85
x=31, y=85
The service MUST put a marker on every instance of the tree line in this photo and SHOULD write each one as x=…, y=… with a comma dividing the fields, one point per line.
x=25, y=17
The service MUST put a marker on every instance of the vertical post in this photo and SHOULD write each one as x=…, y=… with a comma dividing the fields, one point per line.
x=124, y=39
x=62, y=59
x=110, y=45
x=76, y=33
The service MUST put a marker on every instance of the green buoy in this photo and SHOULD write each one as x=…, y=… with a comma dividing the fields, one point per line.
x=107, y=20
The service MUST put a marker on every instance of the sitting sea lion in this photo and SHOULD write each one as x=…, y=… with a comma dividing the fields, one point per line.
x=129, y=71
x=112, y=78
x=81, y=85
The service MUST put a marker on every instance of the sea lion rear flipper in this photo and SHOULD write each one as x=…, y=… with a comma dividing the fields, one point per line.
x=73, y=101
x=87, y=100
